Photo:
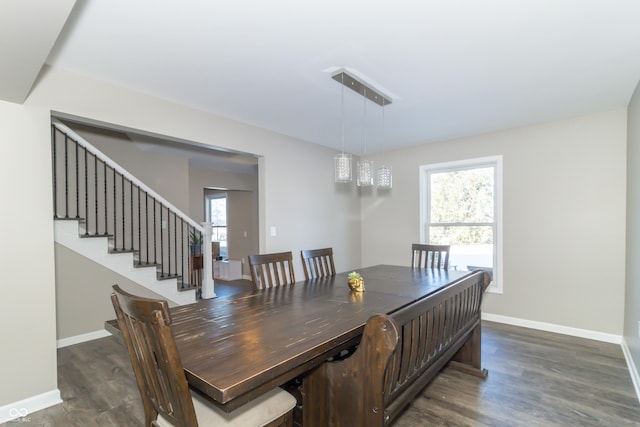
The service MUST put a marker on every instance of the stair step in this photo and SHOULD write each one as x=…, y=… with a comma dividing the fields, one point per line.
x=123, y=251
x=167, y=276
x=70, y=218
x=90, y=236
x=146, y=264
x=186, y=287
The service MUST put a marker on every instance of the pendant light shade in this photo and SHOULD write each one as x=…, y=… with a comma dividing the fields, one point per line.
x=343, y=167
x=365, y=173
x=366, y=169
x=384, y=177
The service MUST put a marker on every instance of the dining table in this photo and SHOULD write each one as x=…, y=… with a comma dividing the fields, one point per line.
x=236, y=348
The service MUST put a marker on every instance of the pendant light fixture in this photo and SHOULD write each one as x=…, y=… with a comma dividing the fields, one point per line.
x=366, y=174
x=383, y=176
x=342, y=162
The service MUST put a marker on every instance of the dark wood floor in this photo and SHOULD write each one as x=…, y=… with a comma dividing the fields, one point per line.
x=535, y=379
x=227, y=289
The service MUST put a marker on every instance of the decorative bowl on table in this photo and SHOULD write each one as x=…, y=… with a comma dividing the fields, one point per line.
x=355, y=282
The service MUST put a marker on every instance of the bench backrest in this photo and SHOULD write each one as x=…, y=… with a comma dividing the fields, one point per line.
x=430, y=332
x=399, y=354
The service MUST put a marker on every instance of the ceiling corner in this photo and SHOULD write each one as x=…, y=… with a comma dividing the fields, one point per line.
x=31, y=29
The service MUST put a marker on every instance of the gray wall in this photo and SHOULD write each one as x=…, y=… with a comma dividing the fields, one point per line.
x=242, y=207
x=563, y=217
x=83, y=293
x=201, y=178
x=242, y=217
x=28, y=306
x=165, y=174
x=632, y=290
x=309, y=212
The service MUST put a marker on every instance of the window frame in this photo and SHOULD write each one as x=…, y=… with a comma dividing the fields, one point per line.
x=208, y=199
x=496, y=285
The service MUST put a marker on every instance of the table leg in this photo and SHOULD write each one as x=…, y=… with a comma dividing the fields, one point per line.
x=469, y=358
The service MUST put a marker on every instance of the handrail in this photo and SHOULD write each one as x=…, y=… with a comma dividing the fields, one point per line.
x=111, y=202
x=80, y=140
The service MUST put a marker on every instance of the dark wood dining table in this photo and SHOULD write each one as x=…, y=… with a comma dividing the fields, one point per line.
x=234, y=349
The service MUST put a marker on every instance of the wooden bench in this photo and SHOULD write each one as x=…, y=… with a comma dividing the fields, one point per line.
x=399, y=354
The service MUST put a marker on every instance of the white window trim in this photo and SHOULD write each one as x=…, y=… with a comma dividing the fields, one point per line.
x=496, y=285
x=207, y=204
x=208, y=198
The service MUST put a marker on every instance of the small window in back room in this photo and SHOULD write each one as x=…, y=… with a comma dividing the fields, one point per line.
x=218, y=217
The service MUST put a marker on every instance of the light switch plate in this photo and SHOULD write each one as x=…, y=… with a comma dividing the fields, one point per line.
x=273, y=231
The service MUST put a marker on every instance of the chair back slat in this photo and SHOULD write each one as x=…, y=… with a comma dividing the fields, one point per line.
x=430, y=256
x=146, y=331
x=317, y=263
x=271, y=270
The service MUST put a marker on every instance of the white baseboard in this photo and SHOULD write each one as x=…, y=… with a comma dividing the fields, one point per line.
x=550, y=327
x=77, y=339
x=635, y=377
x=19, y=411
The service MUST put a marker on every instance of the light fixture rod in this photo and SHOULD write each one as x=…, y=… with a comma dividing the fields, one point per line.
x=361, y=88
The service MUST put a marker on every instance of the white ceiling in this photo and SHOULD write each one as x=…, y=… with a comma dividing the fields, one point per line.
x=453, y=67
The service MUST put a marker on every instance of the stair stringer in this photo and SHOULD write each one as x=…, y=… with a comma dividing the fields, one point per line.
x=67, y=233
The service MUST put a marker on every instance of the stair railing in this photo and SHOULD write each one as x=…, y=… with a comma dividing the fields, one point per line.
x=108, y=201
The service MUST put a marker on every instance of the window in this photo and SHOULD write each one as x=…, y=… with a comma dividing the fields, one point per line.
x=217, y=215
x=461, y=206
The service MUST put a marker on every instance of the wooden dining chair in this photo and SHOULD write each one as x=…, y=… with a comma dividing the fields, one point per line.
x=270, y=270
x=145, y=325
x=430, y=256
x=317, y=263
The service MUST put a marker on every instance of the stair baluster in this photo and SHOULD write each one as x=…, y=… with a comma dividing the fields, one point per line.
x=115, y=227
x=146, y=216
x=86, y=193
x=66, y=176
x=124, y=236
x=182, y=252
x=77, y=184
x=161, y=244
x=175, y=243
x=95, y=191
x=54, y=161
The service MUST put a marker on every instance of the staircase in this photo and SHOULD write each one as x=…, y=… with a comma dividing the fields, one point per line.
x=104, y=213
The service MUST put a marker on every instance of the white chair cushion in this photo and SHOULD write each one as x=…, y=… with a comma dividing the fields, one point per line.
x=258, y=412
